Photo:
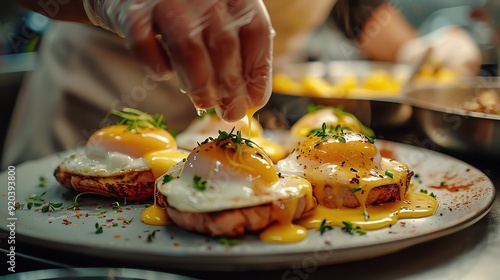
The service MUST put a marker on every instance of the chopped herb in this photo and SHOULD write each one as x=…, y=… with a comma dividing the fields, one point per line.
x=366, y=215
x=18, y=205
x=151, y=236
x=442, y=183
x=199, y=184
x=389, y=174
x=357, y=189
x=423, y=191
x=128, y=221
x=98, y=228
x=351, y=229
x=433, y=195
x=114, y=225
x=167, y=178
x=228, y=242
x=324, y=227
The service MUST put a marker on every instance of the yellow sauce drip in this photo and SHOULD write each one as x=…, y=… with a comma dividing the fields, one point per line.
x=250, y=113
x=156, y=216
x=415, y=205
x=283, y=233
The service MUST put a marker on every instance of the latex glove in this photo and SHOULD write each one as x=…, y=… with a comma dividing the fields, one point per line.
x=451, y=47
x=220, y=49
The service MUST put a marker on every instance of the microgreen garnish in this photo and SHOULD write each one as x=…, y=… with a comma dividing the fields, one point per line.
x=98, y=228
x=76, y=205
x=357, y=189
x=351, y=229
x=167, y=178
x=51, y=207
x=42, y=181
x=228, y=242
x=324, y=227
x=389, y=174
x=116, y=205
x=199, y=184
x=136, y=119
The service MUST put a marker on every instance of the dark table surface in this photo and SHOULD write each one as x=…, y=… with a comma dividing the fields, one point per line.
x=472, y=253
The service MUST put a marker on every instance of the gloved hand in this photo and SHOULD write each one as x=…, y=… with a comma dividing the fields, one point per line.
x=221, y=50
x=450, y=46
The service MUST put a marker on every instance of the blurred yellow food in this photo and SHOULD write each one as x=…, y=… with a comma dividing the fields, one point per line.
x=284, y=84
x=381, y=80
x=347, y=83
x=379, y=83
x=316, y=86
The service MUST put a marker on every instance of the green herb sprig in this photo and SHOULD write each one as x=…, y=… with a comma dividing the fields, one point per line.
x=51, y=207
x=326, y=132
x=351, y=229
x=323, y=227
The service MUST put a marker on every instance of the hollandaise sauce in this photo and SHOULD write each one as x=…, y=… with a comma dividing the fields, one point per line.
x=415, y=205
x=155, y=215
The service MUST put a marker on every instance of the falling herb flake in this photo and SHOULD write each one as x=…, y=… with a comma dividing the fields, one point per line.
x=357, y=189
x=389, y=174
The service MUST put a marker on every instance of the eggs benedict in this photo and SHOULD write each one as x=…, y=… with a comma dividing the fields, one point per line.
x=122, y=160
x=228, y=186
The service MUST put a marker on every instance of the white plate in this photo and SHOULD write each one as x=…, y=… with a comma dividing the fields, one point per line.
x=176, y=248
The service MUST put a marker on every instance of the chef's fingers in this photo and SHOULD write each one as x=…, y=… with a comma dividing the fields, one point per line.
x=255, y=36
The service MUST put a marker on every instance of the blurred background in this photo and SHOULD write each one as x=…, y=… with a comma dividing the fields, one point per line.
x=22, y=31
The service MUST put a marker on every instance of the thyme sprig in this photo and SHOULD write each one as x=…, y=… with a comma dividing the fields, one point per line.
x=328, y=132
x=35, y=200
x=351, y=228
x=235, y=138
x=323, y=227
